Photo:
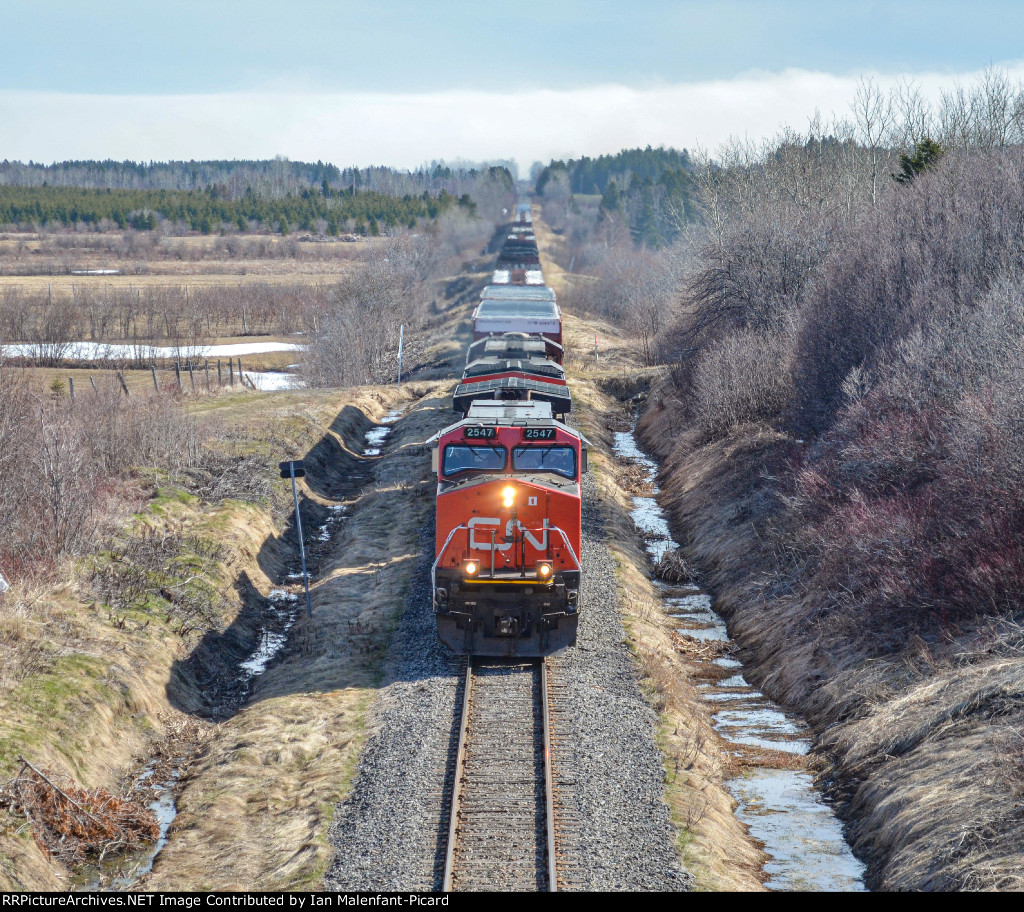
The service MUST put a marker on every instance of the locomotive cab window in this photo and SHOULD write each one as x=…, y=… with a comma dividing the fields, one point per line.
x=561, y=460
x=462, y=458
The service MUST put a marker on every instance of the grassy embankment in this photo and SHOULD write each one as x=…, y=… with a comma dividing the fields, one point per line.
x=920, y=748
x=103, y=688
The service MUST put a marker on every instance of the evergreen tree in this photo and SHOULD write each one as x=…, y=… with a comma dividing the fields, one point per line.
x=926, y=156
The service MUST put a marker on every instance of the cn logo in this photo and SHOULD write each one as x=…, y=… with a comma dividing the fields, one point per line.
x=493, y=524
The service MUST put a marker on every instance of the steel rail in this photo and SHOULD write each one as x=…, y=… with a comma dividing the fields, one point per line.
x=449, y=861
x=460, y=765
x=549, y=789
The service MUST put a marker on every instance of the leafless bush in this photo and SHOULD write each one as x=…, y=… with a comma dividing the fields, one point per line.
x=745, y=377
x=357, y=338
x=60, y=463
x=152, y=568
x=931, y=248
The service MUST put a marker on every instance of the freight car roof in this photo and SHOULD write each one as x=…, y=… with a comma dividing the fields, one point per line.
x=515, y=309
x=512, y=345
x=517, y=293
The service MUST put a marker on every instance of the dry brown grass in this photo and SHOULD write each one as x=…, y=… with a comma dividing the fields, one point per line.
x=95, y=700
x=276, y=770
x=922, y=750
x=713, y=844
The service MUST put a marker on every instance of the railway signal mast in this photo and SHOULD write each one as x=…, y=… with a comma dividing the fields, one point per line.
x=293, y=469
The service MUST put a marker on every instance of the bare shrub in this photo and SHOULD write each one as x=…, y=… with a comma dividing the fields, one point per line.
x=934, y=246
x=745, y=377
x=357, y=337
x=60, y=465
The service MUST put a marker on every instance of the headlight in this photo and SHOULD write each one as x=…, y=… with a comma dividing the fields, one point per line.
x=508, y=496
x=469, y=568
x=544, y=571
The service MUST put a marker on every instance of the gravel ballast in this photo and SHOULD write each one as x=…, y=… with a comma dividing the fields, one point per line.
x=389, y=834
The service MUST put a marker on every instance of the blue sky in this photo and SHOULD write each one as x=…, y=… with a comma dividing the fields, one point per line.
x=324, y=64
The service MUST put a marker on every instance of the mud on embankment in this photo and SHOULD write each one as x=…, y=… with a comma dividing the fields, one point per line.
x=920, y=747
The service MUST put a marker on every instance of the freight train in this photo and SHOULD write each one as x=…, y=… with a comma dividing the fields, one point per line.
x=507, y=565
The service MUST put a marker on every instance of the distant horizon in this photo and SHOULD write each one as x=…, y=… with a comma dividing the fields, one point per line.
x=398, y=84
x=407, y=131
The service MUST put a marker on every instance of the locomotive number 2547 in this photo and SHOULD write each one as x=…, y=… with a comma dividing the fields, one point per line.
x=538, y=433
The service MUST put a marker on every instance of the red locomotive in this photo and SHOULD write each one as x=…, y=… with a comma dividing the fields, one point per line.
x=506, y=577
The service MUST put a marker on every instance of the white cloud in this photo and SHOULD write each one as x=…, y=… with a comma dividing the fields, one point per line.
x=407, y=129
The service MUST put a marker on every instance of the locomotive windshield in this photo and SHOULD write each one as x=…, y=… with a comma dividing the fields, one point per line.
x=558, y=459
x=461, y=458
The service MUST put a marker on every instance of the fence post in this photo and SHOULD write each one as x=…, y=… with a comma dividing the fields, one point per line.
x=191, y=376
x=220, y=379
x=93, y=383
x=156, y=386
x=207, y=367
x=124, y=386
x=71, y=387
x=177, y=374
x=231, y=372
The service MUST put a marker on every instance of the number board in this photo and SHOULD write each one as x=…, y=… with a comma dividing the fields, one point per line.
x=480, y=433
x=547, y=433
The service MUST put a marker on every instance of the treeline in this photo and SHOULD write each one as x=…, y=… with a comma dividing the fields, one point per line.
x=593, y=175
x=490, y=185
x=368, y=212
x=650, y=191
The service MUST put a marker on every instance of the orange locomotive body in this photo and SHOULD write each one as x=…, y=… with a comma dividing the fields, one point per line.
x=506, y=575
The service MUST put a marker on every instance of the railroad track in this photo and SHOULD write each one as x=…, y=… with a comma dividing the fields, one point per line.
x=502, y=817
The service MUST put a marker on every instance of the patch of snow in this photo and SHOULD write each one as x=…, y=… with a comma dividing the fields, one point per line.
x=101, y=351
x=274, y=380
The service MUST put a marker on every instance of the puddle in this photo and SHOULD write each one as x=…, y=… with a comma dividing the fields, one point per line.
x=274, y=381
x=285, y=605
x=782, y=808
x=376, y=436
x=125, y=871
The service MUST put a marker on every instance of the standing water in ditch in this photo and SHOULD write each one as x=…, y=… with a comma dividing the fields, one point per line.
x=776, y=798
x=125, y=872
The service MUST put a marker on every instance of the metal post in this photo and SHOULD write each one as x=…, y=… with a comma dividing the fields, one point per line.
x=156, y=386
x=401, y=340
x=302, y=543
